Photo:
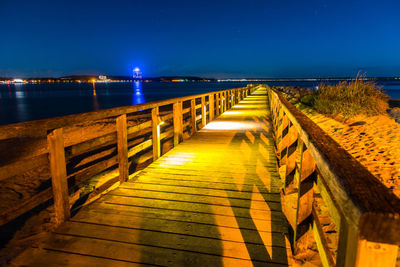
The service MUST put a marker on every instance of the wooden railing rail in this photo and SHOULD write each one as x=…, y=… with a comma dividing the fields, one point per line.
x=329, y=191
x=111, y=140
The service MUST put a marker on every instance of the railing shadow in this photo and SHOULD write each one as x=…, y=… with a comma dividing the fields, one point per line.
x=258, y=153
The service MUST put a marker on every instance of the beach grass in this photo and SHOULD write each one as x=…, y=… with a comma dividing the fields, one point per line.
x=349, y=98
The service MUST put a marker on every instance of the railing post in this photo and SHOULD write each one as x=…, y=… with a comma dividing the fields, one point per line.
x=304, y=179
x=211, y=106
x=122, y=141
x=193, y=115
x=203, y=111
x=225, y=100
x=221, y=107
x=156, y=133
x=217, y=98
x=55, y=142
x=228, y=100
x=178, y=129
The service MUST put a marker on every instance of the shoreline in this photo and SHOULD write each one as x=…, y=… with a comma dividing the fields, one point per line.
x=394, y=103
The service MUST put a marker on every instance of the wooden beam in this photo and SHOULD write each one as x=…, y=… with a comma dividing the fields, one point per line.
x=55, y=141
x=224, y=101
x=122, y=144
x=326, y=256
x=217, y=104
x=371, y=254
x=211, y=107
x=156, y=133
x=178, y=129
x=193, y=115
x=203, y=111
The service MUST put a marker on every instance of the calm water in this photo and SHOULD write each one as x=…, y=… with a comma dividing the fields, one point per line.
x=25, y=102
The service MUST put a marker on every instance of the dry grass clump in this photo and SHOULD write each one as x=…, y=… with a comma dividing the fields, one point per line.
x=350, y=98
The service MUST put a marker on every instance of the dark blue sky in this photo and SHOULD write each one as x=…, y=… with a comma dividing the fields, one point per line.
x=246, y=38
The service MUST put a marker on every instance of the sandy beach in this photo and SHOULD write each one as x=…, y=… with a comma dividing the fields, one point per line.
x=373, y=141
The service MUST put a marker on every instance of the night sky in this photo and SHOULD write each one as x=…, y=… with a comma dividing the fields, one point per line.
x=293, y=38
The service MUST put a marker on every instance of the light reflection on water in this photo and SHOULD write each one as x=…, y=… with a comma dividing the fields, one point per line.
x=137, y=96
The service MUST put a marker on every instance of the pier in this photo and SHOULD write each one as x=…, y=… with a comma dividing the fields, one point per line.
x=237, y=177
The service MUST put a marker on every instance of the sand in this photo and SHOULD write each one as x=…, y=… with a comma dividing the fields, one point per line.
x=373, y=141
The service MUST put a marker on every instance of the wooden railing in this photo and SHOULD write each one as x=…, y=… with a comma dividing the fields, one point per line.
x=71, y=149
x=328, y=191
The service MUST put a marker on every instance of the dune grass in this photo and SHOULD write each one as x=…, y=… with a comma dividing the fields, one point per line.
x=349, y=98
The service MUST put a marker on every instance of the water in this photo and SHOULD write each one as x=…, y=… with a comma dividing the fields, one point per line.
x=25, y=102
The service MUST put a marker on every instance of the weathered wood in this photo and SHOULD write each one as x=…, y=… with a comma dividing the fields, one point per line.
x=178, y=120
x=156, y=133
x=40, y=127
x=211, y=107
x=236, y=221
x=203, y=111
x=319, y=235
x=140, y=147
x=90, y=145
x=55, y=140
x=364, y=211
x=86, y=173
x=193, y=115
x=25, y=206
x=217, y=106
x=141, y=126
x=77, y=147
x=22, y=166
x=122, y=141
x=371, y=254
x=366, y=202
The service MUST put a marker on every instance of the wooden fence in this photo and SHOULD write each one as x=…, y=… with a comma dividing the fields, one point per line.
x=355, y=219
x=71, y=149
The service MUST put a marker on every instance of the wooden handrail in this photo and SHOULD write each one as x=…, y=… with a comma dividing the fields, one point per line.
x=41, y=127
x=113, y=148
x=366, y=214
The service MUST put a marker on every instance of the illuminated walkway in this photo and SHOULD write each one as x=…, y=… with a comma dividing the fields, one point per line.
x=211, y=201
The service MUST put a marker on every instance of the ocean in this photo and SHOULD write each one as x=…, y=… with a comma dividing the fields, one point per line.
x=26, y=102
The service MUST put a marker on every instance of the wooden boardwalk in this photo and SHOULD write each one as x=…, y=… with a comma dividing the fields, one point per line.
x=211, y=201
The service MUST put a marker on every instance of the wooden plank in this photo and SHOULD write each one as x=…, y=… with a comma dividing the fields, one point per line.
x=319, y=235
x=122, y=141
x=156, y=133
x=193, y=198
x=372, y=254
x=90, y=145
x=55, y=140
x=25, y=206
x=49, y=257
x=193, y=115
x=188, y=243
x=266, y=224
x=199, y=207
x=134, y=253
x=22, y=166
x=255, y=196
